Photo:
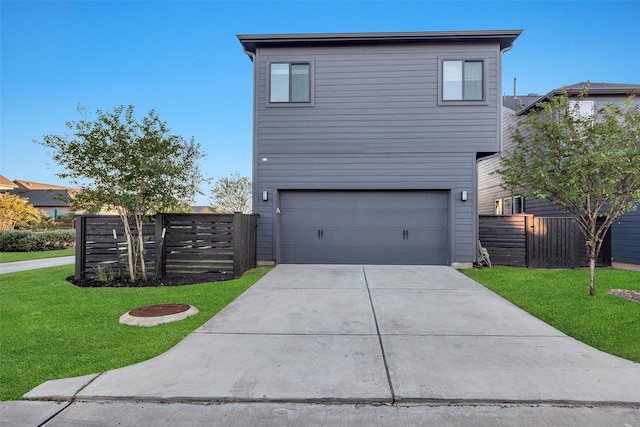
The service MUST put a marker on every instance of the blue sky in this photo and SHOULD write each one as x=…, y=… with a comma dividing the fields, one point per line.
x=183, y=60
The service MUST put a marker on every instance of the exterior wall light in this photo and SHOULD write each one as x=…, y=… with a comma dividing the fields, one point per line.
x=463, y=196
x=265, y=195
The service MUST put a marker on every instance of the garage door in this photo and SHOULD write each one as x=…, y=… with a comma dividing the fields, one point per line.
x=364, y=227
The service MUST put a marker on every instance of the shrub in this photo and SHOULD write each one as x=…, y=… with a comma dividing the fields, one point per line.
x=31, y=241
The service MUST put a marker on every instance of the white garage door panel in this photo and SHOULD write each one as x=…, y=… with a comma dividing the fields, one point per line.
x=348, y=227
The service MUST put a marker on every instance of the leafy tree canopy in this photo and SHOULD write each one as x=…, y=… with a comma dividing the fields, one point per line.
x=232, y=194
x=586, y=163
x=136, y=167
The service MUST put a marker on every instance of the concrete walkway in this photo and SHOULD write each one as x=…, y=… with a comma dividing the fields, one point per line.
x=355, y=345
x=12, y=267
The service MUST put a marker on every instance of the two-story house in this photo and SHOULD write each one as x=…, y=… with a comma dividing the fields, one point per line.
x=493, y=199
x=366, y=144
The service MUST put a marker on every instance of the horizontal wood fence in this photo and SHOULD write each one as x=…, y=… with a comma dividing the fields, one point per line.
x=175, y=245
x=537, y=242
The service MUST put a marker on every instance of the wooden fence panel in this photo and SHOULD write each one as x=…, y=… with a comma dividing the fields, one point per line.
x=505, y=239
x=528, y=241
x=96, y=247
x=179, y=244
x=556, y=243
x=197, y=244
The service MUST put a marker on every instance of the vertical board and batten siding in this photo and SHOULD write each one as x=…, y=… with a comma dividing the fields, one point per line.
x=625, y=236
x=556, y=243
x=375, y=124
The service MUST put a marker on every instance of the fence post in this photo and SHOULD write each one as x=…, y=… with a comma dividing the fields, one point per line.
x=159, y=249
x=80, y=247
x=237, y=245
x=575, y=236
x=529, y=234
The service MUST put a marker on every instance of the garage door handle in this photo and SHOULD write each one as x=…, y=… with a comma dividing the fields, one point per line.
x=405, y=234
x=321, y=234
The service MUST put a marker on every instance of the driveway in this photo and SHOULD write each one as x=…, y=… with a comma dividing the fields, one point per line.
x=314, y=340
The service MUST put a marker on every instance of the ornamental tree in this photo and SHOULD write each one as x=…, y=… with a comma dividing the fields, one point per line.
x=16, y=212
x=232, y=194
x=588, y=164
x=135, y=167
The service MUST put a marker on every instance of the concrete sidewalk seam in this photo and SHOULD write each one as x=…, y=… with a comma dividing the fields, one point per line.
x=287, y=334
x=375, y=319
x=392, y=334
x=406, y=402
x=55, y=415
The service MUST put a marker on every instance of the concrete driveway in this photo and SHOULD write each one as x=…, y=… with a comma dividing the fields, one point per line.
x=359, y=345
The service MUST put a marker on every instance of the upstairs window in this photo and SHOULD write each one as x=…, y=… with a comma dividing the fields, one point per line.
x=582, y=109
x=462, y=80
x=290, y=82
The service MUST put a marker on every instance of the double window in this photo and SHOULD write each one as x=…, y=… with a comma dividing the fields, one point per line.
x=510, y=206
x=462, y=80
x=290, y=82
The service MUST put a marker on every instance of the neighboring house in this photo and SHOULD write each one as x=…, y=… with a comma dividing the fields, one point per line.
x=494, y=200
x=6, y=185
x=52, y=199
x=366, y=144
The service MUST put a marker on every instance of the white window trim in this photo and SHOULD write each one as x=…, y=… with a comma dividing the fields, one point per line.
x=482, y=101
x=289, y=60
x=513, y=205
x=507, y=206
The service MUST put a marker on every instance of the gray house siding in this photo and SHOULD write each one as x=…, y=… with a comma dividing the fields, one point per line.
x=489, y=185
x=375, y=123
x=489, y=188
x=625, y=239
x=441, y=171
x=365, y=98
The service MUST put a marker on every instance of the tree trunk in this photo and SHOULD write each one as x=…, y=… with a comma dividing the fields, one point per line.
x=592, y=270
x=593, y=255
x=130, y=248
x=143, y=269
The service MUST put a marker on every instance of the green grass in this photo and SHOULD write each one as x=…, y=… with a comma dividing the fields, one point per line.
x=52, y=329
x=28, y=256
x=561, y=298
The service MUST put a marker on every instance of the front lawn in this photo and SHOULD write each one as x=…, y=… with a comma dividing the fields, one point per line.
x=561, y=298
x=52, y=329
x=29, y=256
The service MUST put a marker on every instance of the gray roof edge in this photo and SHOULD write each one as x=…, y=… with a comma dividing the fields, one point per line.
x=504, y=37
x=599, y=89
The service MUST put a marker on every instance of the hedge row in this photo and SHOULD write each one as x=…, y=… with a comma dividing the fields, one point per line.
x=32, y=241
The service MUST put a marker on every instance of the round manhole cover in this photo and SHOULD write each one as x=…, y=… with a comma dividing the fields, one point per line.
x=153, y=315
x=159, y=310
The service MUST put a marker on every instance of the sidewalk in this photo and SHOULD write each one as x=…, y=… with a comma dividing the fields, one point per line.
x=356, y=345
x=12, y=267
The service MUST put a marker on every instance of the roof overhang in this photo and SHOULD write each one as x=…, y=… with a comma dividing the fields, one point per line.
x=251, y=42
x=595, y=89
